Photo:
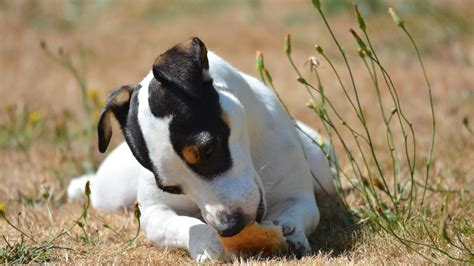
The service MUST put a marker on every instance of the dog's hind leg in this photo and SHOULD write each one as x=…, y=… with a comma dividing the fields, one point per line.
x=317, y=160
x=114, y=186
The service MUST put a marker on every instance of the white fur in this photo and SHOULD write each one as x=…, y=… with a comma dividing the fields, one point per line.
x=268, y=153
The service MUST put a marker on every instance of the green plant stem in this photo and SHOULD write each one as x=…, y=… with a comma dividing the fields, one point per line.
x=360, y=114
x=389, y=135
x=400, y=115
x=66, y=61
x=433, y=121
x=18, y=229
x=76, y=222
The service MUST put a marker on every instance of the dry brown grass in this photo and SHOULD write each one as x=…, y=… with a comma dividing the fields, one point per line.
x=122, y=42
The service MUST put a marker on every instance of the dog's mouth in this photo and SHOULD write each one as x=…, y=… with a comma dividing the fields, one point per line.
x=261, y=209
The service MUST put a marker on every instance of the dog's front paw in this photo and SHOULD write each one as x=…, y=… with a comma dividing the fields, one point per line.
x=296, y=240
x=204, y=244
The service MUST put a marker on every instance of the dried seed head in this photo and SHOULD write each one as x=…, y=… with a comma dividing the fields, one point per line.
x=377, y=183
x=137, y=213
x=87, y=189
x=287, y=44
x=259, y=61
x=360, y=20
x=359, y=40
x=43, y=44
x=301, y=80
x=8, y=108
x=365, y=181
x=399, y=22
x=45, y=191
x=311, y=104
x=316, y=4
x=313, y=63
x=80, y=224
x=319, y=49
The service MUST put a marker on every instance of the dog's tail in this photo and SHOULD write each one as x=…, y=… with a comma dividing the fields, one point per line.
x=76, y=189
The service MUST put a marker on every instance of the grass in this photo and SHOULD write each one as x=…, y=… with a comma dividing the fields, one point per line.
x=400, y=209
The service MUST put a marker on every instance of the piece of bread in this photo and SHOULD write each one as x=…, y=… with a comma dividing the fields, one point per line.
x=254, y=239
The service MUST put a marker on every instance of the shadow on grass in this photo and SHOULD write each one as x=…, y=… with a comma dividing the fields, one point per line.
x=336, y=230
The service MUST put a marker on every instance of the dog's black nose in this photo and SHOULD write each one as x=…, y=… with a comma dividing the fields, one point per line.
x=231, y=224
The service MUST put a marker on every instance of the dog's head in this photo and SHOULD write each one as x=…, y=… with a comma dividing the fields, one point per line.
x=192, y=137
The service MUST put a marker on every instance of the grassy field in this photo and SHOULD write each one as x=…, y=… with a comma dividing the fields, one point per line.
x=45, y=135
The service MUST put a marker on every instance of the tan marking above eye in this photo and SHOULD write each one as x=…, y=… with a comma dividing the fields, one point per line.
x=225, y=117
x=191, y=154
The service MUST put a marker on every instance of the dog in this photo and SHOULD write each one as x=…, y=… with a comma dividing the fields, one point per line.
x=207, y=151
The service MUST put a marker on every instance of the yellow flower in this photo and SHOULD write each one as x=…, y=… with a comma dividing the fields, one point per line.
x=34, y=117
x=2, y=210
x=8, y=109
x=92, y=93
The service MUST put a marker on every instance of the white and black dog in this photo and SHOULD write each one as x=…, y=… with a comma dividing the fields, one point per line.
x=208, y=150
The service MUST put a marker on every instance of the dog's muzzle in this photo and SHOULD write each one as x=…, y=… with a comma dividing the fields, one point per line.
x=233, y=223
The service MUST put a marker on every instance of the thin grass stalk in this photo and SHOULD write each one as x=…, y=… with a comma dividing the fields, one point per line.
x=352, y=161
x=466, y=248
x=395, y=98
x=65, y=60
x=368, y=140
x=333, y=163
x=137, y=214
x=324, y=98
x=389, y=135
x=308, y=86
x=18, y=229
x=341, y=50
x=327, y=121
x=355, y=136
x=401, y=116
x=85, y=210
x=407, y=242
x=433, y=116
x=360, y=113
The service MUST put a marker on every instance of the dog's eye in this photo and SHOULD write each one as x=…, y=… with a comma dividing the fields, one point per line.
x=208, y=149
x=172, y=189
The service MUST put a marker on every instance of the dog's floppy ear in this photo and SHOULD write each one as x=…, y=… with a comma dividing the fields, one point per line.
x=184, y=67
x=117, y=104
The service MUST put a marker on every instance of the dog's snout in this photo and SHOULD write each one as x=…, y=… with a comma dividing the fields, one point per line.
x=231, y=224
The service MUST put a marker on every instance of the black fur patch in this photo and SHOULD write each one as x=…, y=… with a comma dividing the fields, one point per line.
x=195, y=122
x=182, y=67
x=180, y=90
x=133, y=134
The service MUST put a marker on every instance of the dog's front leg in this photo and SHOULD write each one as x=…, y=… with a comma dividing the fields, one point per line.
x=298, y=216
x=165, y=228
